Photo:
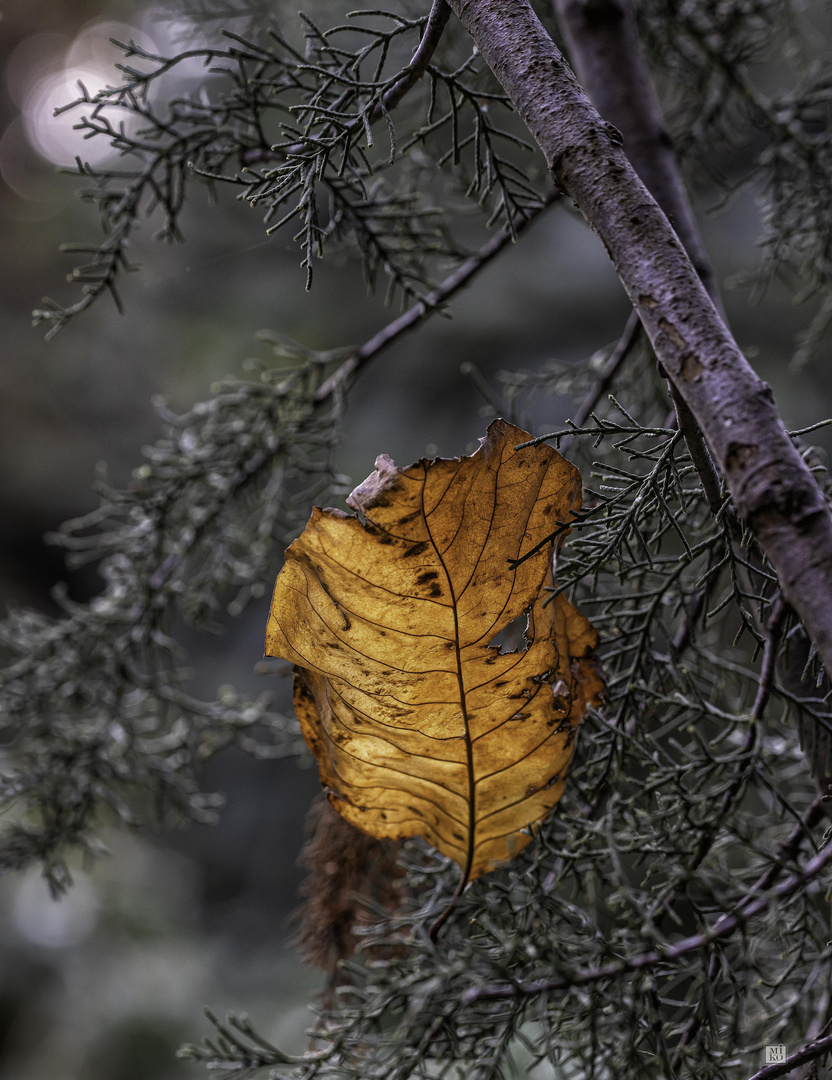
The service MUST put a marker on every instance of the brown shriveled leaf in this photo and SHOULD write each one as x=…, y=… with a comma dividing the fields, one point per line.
x=349, y=874
x=420, y=728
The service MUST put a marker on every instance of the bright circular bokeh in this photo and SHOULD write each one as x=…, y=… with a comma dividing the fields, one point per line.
x=90, y=61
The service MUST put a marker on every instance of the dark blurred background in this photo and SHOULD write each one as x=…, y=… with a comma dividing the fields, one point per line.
x=105, y=984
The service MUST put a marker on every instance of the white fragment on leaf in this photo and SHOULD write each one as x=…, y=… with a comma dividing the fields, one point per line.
x=370, y=491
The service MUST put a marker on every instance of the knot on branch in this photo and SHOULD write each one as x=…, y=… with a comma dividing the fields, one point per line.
x=773, y=500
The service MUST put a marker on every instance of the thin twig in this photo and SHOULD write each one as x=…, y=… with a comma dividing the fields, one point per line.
x=767, y=669
x=698, y=450
x=432, y=303
x=808, y=1053
x=764, y=688
x=437, y=20
x=440, y=12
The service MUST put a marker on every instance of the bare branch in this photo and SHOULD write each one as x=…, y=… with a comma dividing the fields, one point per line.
x=437, y=20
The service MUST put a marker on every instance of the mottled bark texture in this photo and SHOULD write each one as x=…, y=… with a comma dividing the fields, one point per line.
x=772, y=488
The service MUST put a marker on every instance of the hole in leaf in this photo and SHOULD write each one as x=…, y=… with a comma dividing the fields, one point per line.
x=511, y=638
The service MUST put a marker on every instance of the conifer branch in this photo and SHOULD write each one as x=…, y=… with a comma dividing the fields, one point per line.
x=755, y=902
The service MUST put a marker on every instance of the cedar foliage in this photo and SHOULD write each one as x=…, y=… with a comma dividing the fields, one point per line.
x=671, y=917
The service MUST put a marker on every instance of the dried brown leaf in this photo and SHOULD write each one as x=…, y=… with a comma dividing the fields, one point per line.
x=419, y=726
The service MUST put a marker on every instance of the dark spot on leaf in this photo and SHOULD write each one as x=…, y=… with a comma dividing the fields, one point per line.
x=302, y=691
x=429, y=575
x=417, y=549
x=435, y=590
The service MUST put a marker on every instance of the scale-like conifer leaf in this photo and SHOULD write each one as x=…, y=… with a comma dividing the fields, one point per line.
x=419, y=726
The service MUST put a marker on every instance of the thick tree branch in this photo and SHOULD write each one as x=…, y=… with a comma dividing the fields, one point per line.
x=771, y=486
x=602, y=37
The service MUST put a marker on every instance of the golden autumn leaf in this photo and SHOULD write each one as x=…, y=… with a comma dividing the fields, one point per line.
x=419, y=726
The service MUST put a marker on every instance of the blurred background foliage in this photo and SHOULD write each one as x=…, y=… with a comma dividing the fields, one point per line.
x=107, y=982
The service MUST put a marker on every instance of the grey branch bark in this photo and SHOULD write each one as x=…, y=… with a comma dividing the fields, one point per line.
x=602, y=38
x=773, y=490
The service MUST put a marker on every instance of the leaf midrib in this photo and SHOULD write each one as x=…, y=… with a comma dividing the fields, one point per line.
x=469, y=748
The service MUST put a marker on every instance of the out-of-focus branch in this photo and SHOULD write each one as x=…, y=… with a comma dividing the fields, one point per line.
x=625, y=345
x=602, y=36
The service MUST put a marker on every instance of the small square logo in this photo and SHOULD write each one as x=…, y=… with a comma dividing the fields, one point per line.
x=776, y=1054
